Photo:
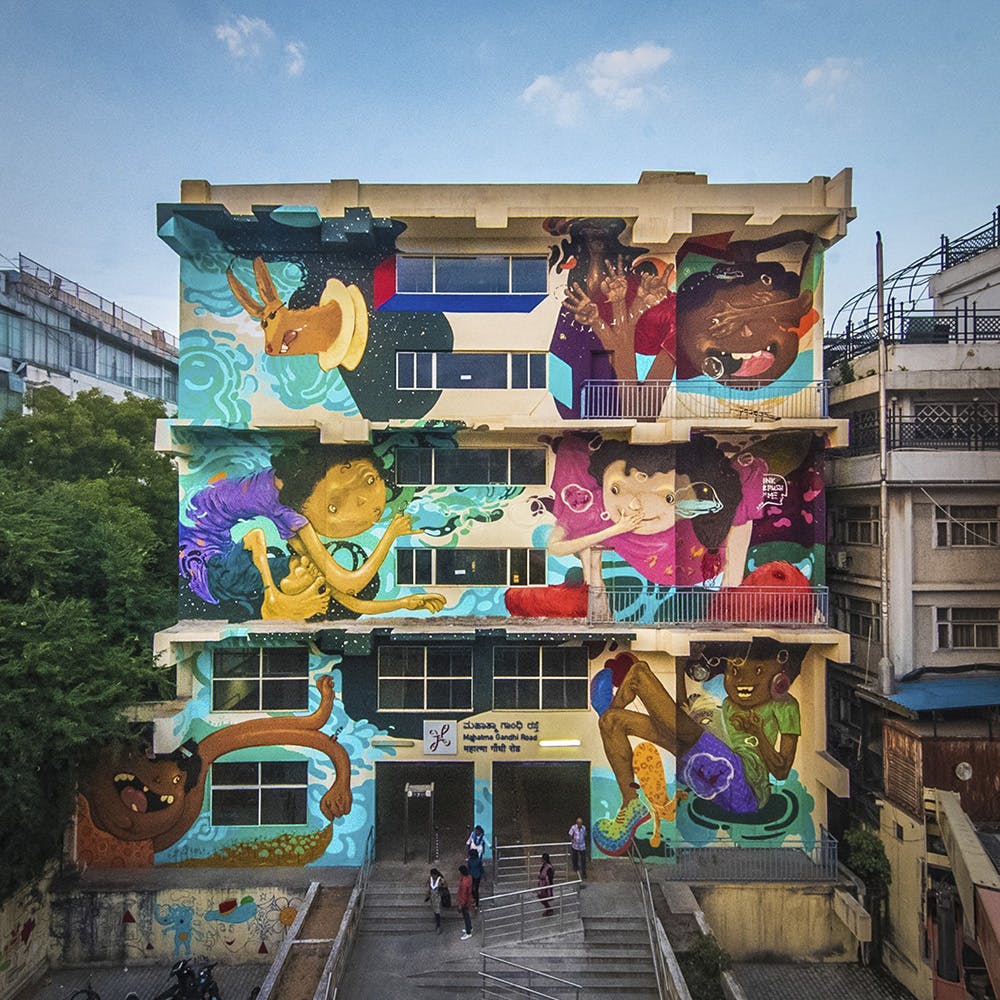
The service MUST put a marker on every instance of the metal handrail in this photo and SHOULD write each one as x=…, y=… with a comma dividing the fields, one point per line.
x=340, y=950
x=521, y=915
x=524, y=968
x=754, y=399
x=520, y=859
x=663, y=605
x=648, y=912
x=521, y=991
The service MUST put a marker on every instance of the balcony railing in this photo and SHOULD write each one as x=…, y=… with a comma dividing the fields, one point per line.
x=652, y=400
x=688, y=606
x=981, y=433
x=904, y=325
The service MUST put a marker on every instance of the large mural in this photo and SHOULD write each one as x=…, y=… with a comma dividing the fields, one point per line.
x=286, y=312
x=284, y=527
x=726, y=731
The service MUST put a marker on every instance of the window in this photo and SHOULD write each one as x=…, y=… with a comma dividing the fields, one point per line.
x=469, y=370
x=260, y=680
x=425, y=678
x=470, y=567
x=965, y=525
x=539, y=677
x=259, y=793
x=968, y=628
x=487, y=274
x=952, y=421
x=858, y=525
x=470, y=466
x=857, y=616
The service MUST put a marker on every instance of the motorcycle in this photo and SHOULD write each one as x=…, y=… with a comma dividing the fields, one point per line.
x=193, y=981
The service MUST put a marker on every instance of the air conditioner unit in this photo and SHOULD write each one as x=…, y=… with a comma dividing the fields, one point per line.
x=841, y=560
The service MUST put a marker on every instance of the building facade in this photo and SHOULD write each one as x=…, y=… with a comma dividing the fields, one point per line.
x=54, y=331
x=499, y=505
x=914, y=510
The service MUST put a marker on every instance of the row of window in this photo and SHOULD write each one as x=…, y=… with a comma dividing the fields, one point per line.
x=470, y=466
x=955, y=525
x=410, y=678
x=957, y=628
x=61, y=348
x=470, y=567
x=470, y=370
x=486, y=274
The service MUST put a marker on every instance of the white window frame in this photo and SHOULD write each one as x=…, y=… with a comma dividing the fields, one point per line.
x=945, y=625
x=436, y=451
x=520, y=679
x=259, y=788
x=433, y=387
x=510, y=582
x=425, y=679
x=261, y=680
x=510, y=258
x=983, y=531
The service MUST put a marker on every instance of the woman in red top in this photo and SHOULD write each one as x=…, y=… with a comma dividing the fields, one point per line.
x=465, y=899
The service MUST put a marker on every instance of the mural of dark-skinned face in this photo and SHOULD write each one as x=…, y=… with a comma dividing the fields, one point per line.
x=737, y=323
x=136, y=797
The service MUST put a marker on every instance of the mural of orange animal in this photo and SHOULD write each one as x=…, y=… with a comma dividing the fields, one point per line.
x=335, y=330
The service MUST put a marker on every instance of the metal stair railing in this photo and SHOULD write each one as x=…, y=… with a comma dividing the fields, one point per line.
x=497, y=988
x=670, y=983
x=521, y=915
x=516, y=865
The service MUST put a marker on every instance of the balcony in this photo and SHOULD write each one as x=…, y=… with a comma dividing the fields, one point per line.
x=694, y=606
x=979, y=431
x=905, y=326
x=653, y=400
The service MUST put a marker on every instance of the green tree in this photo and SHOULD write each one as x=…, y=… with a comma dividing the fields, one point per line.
x=88, y=561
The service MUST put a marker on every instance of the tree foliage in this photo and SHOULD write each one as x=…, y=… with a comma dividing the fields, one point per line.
x=88, y=561
x=866, y=857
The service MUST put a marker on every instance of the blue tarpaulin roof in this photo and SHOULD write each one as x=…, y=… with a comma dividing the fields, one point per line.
x=937, y=693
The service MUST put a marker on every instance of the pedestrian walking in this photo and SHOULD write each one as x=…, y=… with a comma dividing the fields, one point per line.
x=475, y=849
x=578, y=847
x=546, y=876
x=464, y=899
x=436, y=889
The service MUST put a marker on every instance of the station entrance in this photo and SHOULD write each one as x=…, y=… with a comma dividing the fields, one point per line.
x=427, y=820
x=536, y=802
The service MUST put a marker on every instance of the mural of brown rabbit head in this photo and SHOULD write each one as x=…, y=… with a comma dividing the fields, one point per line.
x=335, y=330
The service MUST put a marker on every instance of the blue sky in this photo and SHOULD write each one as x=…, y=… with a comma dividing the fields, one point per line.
x=108, y=106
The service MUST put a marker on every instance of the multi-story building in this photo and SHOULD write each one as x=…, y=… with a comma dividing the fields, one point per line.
x=501, y=501
x=915, y=580
x=54, y=331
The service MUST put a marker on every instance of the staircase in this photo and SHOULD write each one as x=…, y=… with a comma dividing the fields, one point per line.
x=398, y=953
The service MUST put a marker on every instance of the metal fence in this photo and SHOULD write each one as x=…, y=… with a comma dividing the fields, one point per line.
x=651, y=400
x=523, y=916
x=793, y=860
x=515, y=866
x=93, y=305
x=666, y=606
x=975, y=432
x=511, y=980
x=906, y=325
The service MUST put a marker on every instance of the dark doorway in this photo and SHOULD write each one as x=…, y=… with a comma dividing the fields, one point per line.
x=453, y=809
x=537, y=802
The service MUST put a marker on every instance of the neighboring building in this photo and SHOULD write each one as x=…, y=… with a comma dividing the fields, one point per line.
x=55, y=332
x=509, y=494
x=915, y=712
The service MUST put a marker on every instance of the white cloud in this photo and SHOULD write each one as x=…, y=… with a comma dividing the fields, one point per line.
x=834, y=71
x=296, y=53
x=245, y=36
x=550, y=92
x=621, y=79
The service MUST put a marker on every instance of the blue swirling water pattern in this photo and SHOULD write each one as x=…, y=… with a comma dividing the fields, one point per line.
x=213, y=382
